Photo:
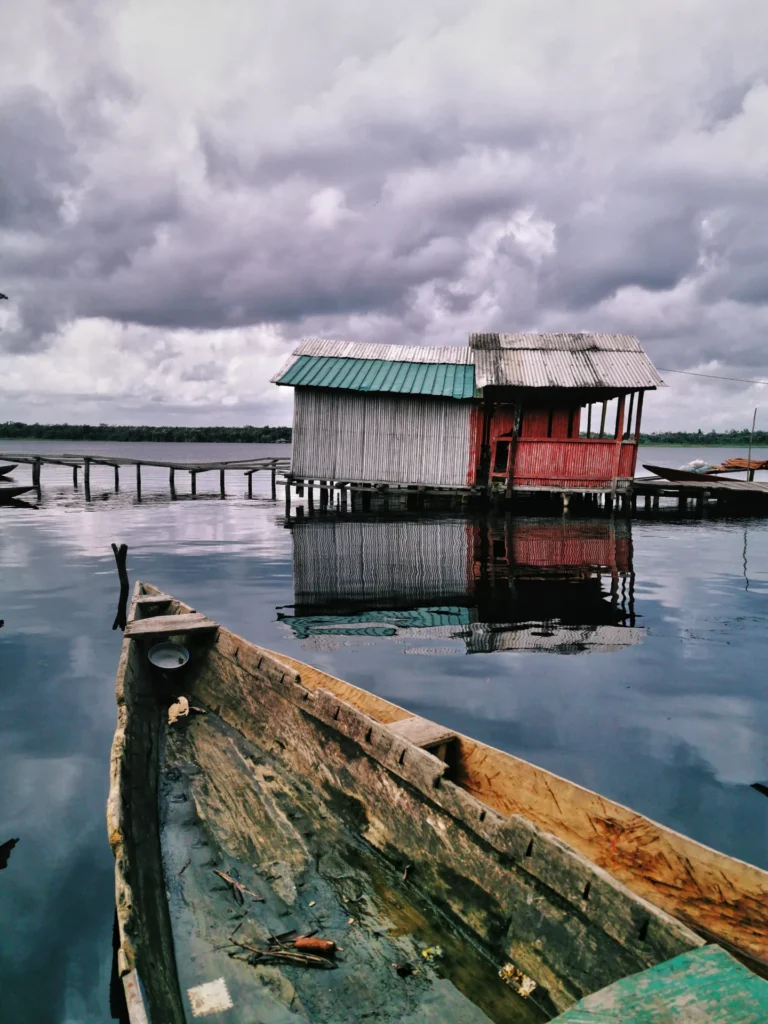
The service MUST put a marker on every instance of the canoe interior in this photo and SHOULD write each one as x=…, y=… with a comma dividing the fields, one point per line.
x=231, y=805
x=288, y=786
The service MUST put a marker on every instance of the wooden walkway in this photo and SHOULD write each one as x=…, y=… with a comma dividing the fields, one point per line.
x=85, y=463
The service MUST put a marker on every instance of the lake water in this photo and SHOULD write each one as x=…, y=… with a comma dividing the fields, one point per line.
x=623, y=656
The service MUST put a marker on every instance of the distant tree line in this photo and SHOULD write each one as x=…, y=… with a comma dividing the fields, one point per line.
x=722, y=438
x=106, y=432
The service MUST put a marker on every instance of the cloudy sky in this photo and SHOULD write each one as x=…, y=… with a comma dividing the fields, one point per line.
x=187, y=188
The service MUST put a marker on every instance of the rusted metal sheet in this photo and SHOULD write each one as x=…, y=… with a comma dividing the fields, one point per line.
x=627, y=460
x=564, y=341
x=568, y=463
x=382, y=438
x=556, y=368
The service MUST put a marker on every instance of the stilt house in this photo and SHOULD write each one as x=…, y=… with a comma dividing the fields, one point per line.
x=508, y=412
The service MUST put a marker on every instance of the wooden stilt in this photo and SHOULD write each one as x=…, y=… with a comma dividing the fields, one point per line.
x=172, y=481
x=193, y=481
x=87, y=477
x=117, y=478
x=138, y=480
x=287, y=499
x=74, y=476
x=36, y=473
x=222, y=487
x=250, y=484
x=274, y=482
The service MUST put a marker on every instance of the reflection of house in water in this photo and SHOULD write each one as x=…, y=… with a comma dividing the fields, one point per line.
x=563, y=586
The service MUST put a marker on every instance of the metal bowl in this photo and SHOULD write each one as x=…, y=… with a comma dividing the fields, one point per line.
x=168, y=656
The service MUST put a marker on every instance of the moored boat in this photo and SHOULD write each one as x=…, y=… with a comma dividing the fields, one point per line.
x=7, y=468
x=257, y=804
x=8, y=493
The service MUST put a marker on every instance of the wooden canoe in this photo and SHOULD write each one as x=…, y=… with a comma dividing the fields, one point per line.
x=681, y=475
x=460, y=883
x=8, y=493
x=8, y=468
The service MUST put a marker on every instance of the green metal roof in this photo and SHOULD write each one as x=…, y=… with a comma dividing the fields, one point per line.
x=449, y=380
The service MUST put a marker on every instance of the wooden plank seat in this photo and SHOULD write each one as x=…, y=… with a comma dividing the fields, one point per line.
x=167, y=625
x=425, y=734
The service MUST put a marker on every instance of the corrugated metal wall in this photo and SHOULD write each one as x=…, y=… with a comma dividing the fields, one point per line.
x=377, y=562
x=381, y=438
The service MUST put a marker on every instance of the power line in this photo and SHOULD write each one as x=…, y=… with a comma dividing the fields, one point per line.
x=714, y=376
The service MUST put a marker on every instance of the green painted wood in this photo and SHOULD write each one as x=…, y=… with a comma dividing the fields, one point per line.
x=447, y=380
x=704, y=986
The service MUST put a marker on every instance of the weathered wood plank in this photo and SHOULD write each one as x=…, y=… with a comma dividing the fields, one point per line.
x=159, y=625
x=146, y=943
x=705, y=986
x=422, y=732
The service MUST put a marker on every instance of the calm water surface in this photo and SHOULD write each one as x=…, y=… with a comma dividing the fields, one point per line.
x=629, y=660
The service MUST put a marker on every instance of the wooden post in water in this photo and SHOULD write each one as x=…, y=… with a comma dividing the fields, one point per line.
x=310, y=494
x=287, y=499
x=138, y=480
x=222, y=487
x=274, y=481
x=751, y=472
x=117, y=478
x=87, y=477
x=193, y=481
x=250, y=484
x=36, y=473
x=74, y=476
x=172, y=481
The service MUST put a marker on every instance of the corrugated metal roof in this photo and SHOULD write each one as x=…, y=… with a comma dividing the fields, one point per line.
x=565, y=342
x=447, y=380
x=500, y=360
x=555, y=368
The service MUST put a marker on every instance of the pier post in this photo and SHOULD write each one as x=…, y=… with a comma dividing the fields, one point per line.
x=323, y=495
x=566, y=500
x=287, y=499
x=138, y=480
x=172, y=481
x=87, y=477
x=36, y=473
x=608, y=502
x=656, y=502
x=274, y=482
x=222, y=487
x=250, y=485
x=682, y=500
x=310, y=494
x=74, y=476
x=117, y=478
x=193, y=481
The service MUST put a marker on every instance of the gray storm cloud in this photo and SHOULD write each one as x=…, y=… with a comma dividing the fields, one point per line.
x=185, y=191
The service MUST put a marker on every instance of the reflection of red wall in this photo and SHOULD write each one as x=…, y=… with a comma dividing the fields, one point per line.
x=547, y=544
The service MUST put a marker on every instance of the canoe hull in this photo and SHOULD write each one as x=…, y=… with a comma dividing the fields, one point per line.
x=527, y=898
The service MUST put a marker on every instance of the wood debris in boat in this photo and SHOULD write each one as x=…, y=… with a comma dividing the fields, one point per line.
x=320, y=947
x=238, y=889
x=515, y=978
x=433, y=953
x=290, y=956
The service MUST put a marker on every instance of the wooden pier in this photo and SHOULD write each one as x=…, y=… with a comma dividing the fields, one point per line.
x=81, y=462
x=728, y=494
